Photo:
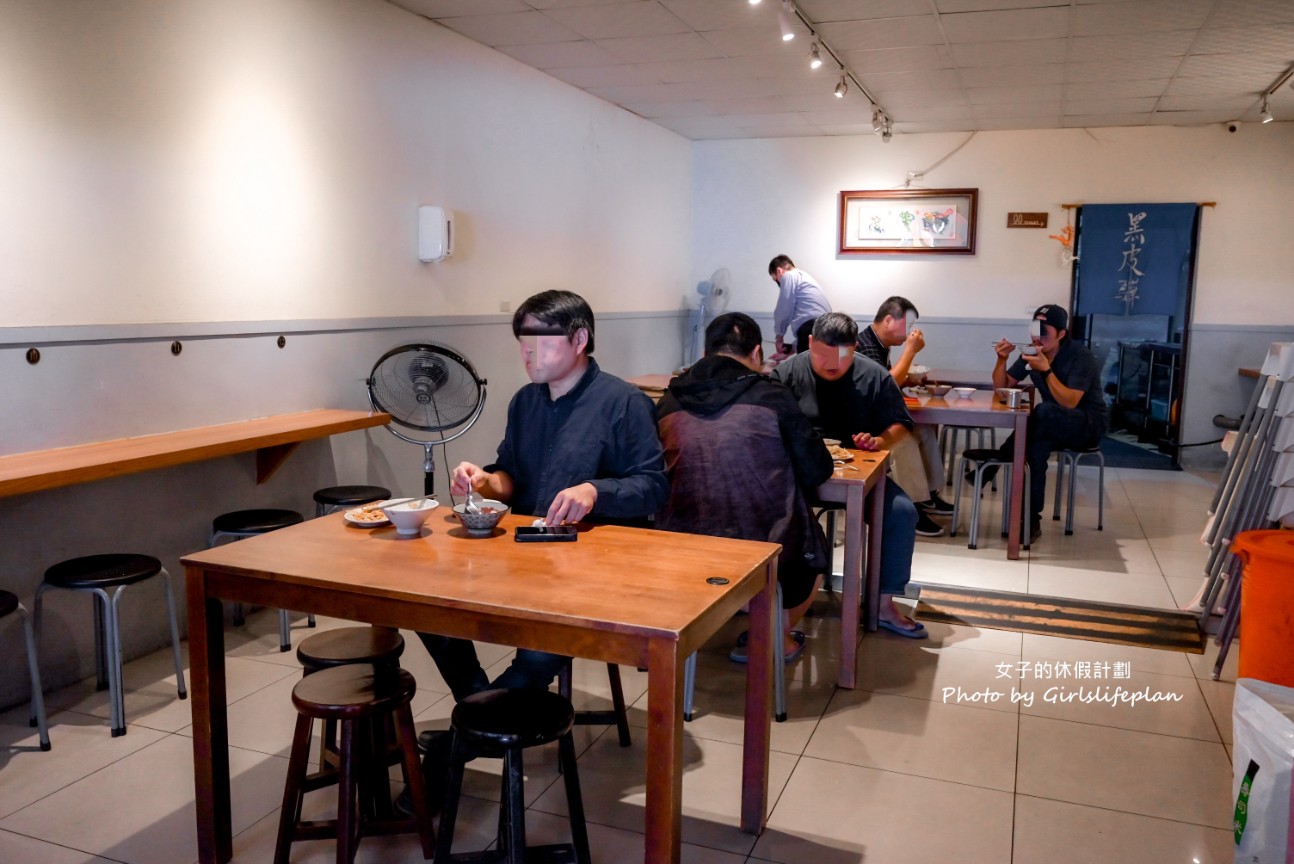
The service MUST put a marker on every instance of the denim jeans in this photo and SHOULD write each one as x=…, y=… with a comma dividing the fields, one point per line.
x=456, y=659
x=898, y=539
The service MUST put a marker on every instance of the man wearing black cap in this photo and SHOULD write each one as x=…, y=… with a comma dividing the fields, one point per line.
x=1069, y=411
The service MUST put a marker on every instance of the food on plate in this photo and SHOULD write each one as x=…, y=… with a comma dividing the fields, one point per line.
x=374, y=516
x=839, y=453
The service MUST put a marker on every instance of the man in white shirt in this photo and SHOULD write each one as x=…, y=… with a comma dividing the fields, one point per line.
x=800, y=301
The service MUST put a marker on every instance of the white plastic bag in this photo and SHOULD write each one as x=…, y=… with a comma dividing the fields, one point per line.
x=1263, y=720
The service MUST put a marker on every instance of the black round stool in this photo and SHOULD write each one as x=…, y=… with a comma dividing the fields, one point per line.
x=503, y=723
x=241, y=524
x=378, y=646
x=8, y=605
x=354, y=696
x=336, y=498
x=99, y=575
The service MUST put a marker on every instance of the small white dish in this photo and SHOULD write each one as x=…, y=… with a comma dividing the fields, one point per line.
x=964, y=392
x=361, y=518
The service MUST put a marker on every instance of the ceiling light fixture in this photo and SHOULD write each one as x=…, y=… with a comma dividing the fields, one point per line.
x=1267, y=114
x=754, y=2
x=784, y=20
x=815, y=59
x=878, y=120
x=841, y=88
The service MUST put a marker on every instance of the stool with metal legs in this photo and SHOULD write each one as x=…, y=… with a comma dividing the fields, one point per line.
x=99, y=575
x=335, y=498
x=241, y=524
x=8, y=605
x=779, y=671
x=983, y=459
x=1071, y=458
x=948, y=444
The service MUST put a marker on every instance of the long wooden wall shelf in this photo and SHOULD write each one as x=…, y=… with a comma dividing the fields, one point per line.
x=273, y=439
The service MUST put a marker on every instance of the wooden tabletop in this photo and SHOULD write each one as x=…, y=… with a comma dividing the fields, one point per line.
x=274, y=438
x=981, y=378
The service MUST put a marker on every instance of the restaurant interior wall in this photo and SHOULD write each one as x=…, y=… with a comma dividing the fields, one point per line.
x=754, y=199
x=223, y=173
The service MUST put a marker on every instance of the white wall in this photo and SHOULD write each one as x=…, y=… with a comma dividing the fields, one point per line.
x=755, y=199
x=263, y=159
x=223, y=171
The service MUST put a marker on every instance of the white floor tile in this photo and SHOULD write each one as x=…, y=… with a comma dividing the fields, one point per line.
x=1054, y=832
x=17, y=848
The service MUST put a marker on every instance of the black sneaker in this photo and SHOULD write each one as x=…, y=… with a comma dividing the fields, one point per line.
x=927, y=527
x=936, y=506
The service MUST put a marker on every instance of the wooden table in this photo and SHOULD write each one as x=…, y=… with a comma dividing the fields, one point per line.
x=653, y=385
x=620, y=595
x=984, y=409
x=273, y=439
x=858, y=484
x=979, y=378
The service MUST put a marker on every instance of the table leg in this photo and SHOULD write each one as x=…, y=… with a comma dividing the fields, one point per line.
x=1017, y=489
x=664, y=815
x=210, y=722
x=759, y=704
x=851, y=587
x=876, y=501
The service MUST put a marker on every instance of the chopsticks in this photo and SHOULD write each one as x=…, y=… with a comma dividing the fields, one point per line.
x=380, y=504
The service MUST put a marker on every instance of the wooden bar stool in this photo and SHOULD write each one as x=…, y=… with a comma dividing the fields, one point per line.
x=99, y=575
x=8, y=605
x=241, y=524
x=377, y=646
x=352, y=695
x=335, y=498
x=502, y=723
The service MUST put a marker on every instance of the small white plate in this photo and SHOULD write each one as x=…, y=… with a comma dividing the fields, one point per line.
x=375, y=517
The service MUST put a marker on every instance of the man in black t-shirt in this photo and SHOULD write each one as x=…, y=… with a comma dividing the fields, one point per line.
x=1069, y=411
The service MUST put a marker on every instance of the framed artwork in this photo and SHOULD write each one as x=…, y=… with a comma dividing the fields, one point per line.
x=908, y=221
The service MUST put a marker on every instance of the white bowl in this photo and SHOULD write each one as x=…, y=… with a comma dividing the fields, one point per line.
x=407, y=516
x=964, y=392
x=938, y=391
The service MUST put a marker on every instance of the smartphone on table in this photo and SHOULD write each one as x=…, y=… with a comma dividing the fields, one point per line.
x=549, y=533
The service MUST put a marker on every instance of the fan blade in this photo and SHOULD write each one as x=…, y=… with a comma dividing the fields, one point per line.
x=428, y=374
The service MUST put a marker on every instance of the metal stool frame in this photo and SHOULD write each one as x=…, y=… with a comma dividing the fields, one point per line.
x=1073, y=458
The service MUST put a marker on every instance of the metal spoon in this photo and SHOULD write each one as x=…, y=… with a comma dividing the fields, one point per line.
x=470, y=505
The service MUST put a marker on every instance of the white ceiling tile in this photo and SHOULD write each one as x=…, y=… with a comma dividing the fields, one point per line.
x=605, y=76
x=733, y=88
x=1075, y=107
x=1006, y=25
x=1258, y=68
x=1272, y=38
x=641, y=93
x=997, y=76
x=1016, y=53
x=643, y=18
x=902, y=103
x=712, y=69
x=898, y=59
x=1210, y=87
x=909, y=32
x=699, y=128
x=1014, y=95
x=647, y=49
x=704, y=15
x=840, y=129
x=947, y=6
x=991, y=124
x=1163, y=43
x=1142, y=16
x=823, y=11
x=1132, y=69
x=741, y=41
x=1236, y=105
x=1189, y=118
x=905, y=82
x=1094, y=121
x=1122, y=89
x=512, y=28
x=560, y=55
x=656, y=110
x=751, y=106
x=938, y=112
x=1252, y=12
x=454, y=8
x=1019, y=110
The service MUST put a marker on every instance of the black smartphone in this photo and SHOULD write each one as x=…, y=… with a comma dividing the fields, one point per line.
x=549, y=534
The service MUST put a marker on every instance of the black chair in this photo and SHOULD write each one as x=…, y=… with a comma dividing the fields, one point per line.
x=241, y=524
x=99, y=575
x=618, y=716
x=335, y=498
x=8, y=605
x=355, y=696
x=503, y=723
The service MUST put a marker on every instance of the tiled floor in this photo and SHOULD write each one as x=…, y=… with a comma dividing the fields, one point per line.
x=917, y=765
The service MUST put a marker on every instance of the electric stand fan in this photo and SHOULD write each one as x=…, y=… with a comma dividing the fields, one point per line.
x=714, y=299
x=428, y=389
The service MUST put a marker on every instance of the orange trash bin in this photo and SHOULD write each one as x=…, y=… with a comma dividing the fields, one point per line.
x=1267, y=605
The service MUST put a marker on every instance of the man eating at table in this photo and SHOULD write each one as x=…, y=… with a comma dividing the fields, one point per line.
x=579, y=443
x=855, y=400
x=741, y=459
x=918, y=470
x=1070, y=410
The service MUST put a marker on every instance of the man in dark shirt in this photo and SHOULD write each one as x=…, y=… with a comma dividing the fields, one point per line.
x=717, y=421
x=855, y=400
x=1071, y=409
x=579, y=443
x=919, y=470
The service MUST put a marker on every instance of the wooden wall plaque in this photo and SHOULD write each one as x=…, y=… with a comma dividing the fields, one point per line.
x=1026, y=220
